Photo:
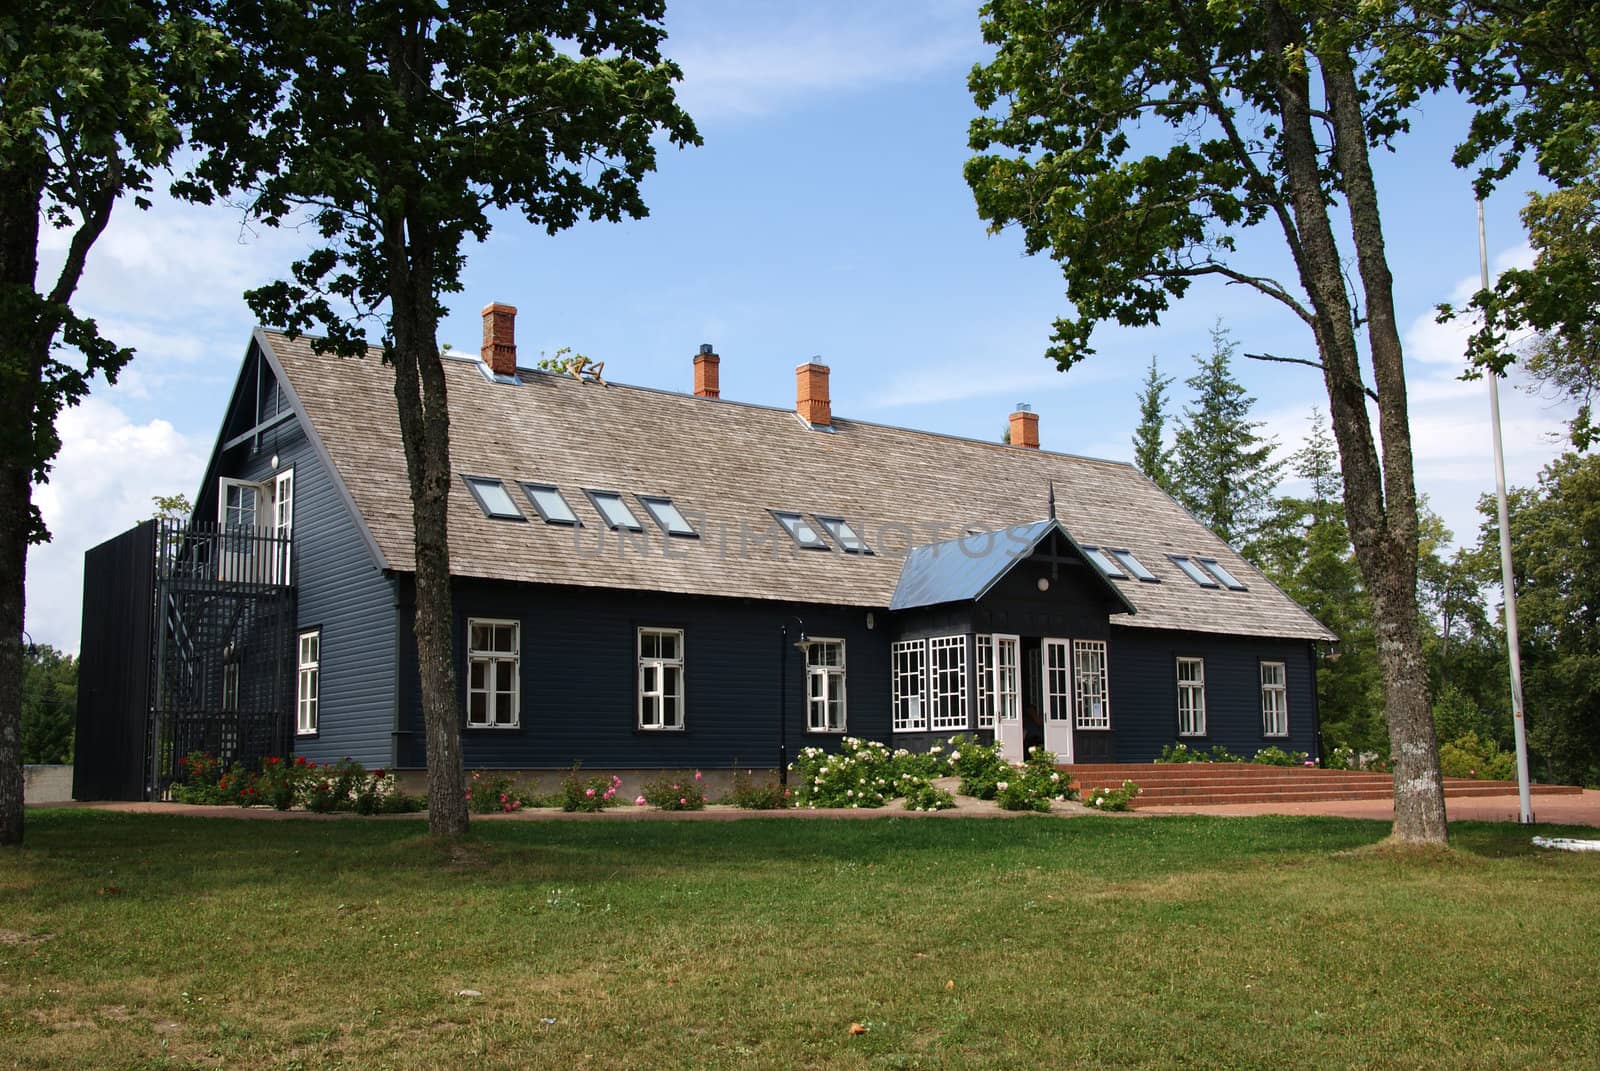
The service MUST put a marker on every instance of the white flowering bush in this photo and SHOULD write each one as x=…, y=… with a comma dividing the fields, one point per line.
x=921, y=794
x=979, y=766
x=1034, y=785
x=1112, y=799
x=861, y=774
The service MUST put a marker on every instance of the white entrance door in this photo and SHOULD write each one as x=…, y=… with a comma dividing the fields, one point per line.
x=1007, y=697
x=1057, y=692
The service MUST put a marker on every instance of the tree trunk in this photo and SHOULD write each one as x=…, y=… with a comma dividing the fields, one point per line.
x=20, y=363
x=1380, y=495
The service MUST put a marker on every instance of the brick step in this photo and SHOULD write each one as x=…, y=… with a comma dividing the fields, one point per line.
x=1200, y=797
x=1251, y=783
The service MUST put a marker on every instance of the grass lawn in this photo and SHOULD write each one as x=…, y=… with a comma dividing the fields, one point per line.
x=154, y=941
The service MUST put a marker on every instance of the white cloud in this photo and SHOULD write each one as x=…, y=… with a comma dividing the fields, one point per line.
x=108, y=469
x=810, y=53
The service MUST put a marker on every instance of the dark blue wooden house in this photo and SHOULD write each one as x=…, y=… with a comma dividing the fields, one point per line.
x=647, y=579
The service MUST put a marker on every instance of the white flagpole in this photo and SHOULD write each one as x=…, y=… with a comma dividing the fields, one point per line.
x=1513, y=645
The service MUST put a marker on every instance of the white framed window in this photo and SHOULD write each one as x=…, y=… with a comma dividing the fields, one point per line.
x=984, y=667
x=494, y=673
x=1274, y=700
x=1091, y=702
x=1191, y=697
x=661, y=678
x=236, y=503
x=908, y=659
x=825, y=695
x=283, y=514
x=1007, y=678
x=947, y=682
x=308, y=677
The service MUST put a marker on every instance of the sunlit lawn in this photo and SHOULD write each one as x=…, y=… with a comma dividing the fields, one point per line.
x=152, y=941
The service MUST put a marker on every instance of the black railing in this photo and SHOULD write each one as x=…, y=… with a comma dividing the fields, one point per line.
x=206, y=553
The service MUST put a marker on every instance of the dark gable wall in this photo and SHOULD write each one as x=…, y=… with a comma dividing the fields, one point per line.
x=338, y=588
x=1144, y=691
x=579, y=671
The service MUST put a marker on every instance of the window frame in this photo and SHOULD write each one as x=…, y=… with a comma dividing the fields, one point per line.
x=307, y=670
x=649, y=502
x=1087, y=685
x=837, y=527
x=472, y=480
x=257, y=492
x=938, y=676
x=1101, y=560
x=659, y=694
x=1191, y=569
x=1281, y=691
x=909, y=710
x=785, y=516
x=491, y=658
x=572, y=519
x=1134, y=567
x=983, y=668
x=283, y=516
x=1193, y=688
x=595, y=494
x=832, y=676
x=1220, y=571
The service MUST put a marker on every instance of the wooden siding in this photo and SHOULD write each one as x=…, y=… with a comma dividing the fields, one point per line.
x=579, y=671
x=340, y=590
x=1144, y=692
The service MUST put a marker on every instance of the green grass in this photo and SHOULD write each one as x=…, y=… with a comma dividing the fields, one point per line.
x=153, y=941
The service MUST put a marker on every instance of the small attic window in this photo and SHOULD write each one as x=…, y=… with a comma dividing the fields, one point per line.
x=1103, y=563
x=551, y=504
x=613, y=510
x=1192, y=571
x=493, y=499
x=800, y=531
x=664, y=513
x=844, y=535
x=1217, y=570
x=1126, y=559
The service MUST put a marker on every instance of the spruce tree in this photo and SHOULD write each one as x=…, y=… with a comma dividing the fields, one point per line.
x=1222, y=469
x=1150, y=451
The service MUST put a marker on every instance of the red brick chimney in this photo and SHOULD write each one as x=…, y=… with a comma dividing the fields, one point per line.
x=811, y=393
x=1025, y=427
x=500, y=339
x=705, y=373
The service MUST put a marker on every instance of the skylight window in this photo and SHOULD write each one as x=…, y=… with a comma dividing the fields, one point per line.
x=844, y=535
x=1193, y=571
x=1104, y=563
x=551, y=504
x=1135, y=566
x=614, y=511
x=801, y=531
x=664, y=513
x=1229, y=581
x=493, y=499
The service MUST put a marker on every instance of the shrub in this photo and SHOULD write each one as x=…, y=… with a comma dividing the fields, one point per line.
x=979, y=766
x=1181, y=752
x=1033, y=785
x=921, y=794
x=495, y=793
x=861, y=774
x=678, y=792
x=595, y=794
x=204, y=780
x=1113, y=799
x=1276, y=756
x=1468, y=756
x=745, y=793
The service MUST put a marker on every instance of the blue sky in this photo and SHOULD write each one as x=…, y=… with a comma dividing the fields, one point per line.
x=826, y=215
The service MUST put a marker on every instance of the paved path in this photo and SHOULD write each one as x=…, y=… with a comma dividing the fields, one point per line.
x=1579, y=810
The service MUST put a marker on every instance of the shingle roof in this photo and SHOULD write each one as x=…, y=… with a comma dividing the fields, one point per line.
x=726, y=465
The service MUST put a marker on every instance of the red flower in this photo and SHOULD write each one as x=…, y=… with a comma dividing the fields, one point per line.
x=380, y=774
x=299, y=760
x=273, y=760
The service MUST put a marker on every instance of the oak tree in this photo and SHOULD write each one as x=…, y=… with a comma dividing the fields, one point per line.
x=398, y=129
x=1136, y=144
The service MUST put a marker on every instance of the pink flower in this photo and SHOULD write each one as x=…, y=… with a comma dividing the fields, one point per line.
x=589, y=792
x=683, y=802
x=502, y=797
x=697, y=775
x=639, y=802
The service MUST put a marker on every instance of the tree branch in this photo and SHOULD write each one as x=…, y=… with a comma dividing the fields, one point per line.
x=1305, y=361
x=1269, y=287
x=95, y=217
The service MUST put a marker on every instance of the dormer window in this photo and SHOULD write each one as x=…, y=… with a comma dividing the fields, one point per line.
x=551, y=504
x=1193, y=571
x=492, y=498
x=801, y=531
x=671, y=520
x=1103, y=562
x=844, y=535
x=614, y=511
x=1217, y=570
